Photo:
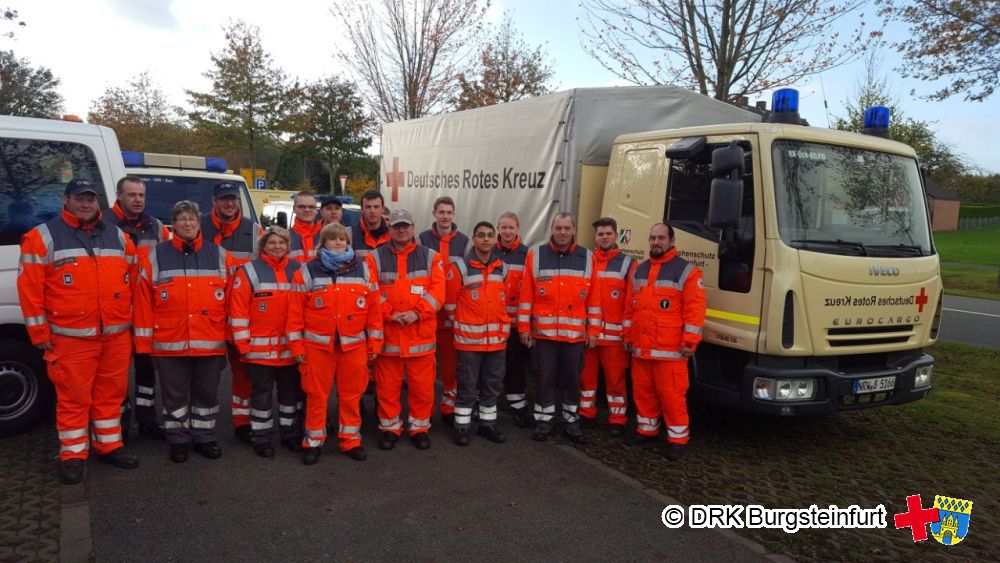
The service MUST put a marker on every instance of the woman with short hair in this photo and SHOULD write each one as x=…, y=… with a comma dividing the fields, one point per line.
x=334, y=331
x=258, y=310
x=180, y=319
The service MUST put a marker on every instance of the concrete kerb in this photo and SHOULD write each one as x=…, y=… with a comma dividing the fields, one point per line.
x=75, y=543
x=666, y=500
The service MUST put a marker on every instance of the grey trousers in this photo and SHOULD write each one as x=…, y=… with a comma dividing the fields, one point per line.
x=557, y=372
x=514, y=382
x=190, y=388
x=480, y=378
x=263, y=380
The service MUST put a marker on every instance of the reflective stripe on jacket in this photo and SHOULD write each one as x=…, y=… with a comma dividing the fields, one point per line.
x=476, y=303
x=364, y=242
x=665, y=307
x=342, y=305
x=180, y=300
x=514, y=258
x=75, y=280
x=145, y=231
x=613, y=269
x=556, y=300
x=258, y=310
x=411, y=279
x=239, y=237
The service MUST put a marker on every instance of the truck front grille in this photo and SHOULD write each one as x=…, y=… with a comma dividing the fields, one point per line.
x=869, y=335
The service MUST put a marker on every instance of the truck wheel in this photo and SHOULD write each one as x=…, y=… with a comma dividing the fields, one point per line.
x=25, y=391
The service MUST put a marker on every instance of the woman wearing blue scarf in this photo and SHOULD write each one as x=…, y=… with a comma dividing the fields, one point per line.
x=334, y=330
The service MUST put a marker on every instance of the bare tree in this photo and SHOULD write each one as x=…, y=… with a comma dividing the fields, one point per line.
x=407, y=54
x=723, y=48
x=507, y=69
x=954, y=40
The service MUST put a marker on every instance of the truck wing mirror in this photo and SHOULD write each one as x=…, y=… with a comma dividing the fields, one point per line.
x=724, y=203
x=726, y=160
x=686, y=148
x=282, y=219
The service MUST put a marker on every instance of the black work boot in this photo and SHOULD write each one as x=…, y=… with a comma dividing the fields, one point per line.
x=641, y=440
x=211, y=450
x=421, y=440
x=617, y=430
x=179, y=452
x=311, y=455
x=575, y=435
x=387, y=440
x=491, y=433
x=120, y=459
x=674, y=452
x=448, y=420
x=264, y=449
x=522, y=419
x=242, y=433
x=357, y=453
x=541, y=433
x=71, y=471
x=462, y=436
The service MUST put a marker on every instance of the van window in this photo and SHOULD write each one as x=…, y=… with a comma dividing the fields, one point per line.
x=162, y=192
x=688, y=190
x=33, y=174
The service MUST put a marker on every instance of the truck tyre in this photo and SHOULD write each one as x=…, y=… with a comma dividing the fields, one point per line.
x=26, y=393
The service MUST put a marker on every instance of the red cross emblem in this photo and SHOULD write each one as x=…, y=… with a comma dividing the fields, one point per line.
x=395, y=179
x=921, y=300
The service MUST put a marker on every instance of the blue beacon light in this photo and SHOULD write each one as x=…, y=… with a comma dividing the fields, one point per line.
x=785, y=107
x=877, y=121
x=133, y=159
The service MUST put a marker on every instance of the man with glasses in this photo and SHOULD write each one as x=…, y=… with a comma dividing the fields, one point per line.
x=305, y=228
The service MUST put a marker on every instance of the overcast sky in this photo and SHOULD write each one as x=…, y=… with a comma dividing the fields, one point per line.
x=93, y=44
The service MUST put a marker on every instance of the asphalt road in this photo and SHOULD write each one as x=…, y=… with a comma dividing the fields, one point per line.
x=971, y=321
x=520, y=500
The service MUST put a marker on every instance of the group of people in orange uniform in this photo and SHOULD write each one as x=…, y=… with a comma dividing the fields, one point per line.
x=323, y=307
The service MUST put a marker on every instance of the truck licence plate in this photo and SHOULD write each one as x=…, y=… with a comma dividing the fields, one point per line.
x=862, y=386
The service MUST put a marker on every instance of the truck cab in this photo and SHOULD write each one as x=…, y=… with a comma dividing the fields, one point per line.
x=822, y=280
x=171, y=178
x=37, y=158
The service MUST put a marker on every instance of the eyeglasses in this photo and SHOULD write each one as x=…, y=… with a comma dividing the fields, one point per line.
x=305, y=207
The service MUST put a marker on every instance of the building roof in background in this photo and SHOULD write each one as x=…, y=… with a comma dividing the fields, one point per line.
x=935, y=191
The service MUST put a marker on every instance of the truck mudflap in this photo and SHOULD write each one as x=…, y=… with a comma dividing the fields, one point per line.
x=834, y=388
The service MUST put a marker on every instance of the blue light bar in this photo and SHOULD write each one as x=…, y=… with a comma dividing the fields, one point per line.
x=877, y=117
x=215, y=164
x=785, y=100
x=134, y=159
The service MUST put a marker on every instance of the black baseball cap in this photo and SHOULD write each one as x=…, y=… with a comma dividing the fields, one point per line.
x=223, y=189
x=330, y=200
x=80, y=186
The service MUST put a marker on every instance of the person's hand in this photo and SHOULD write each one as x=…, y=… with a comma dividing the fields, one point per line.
x=47, y=346
x=591, y=341
x=526, y=339
x=628, y=347
x=371, y=358
x=406, y=317
x=300, y=359
x=686, y=352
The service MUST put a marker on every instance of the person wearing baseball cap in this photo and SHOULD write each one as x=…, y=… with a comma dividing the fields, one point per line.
x=331, y=210
x=75, y=291
x=225, y=226
x=412, y=281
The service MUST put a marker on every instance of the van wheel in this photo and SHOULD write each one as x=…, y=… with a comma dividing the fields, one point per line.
x=25, y=390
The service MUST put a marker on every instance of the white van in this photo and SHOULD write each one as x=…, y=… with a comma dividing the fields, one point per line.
x=37, y=158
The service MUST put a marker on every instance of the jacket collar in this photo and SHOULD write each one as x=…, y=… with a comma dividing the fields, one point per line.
x=668, y=256
x=569, y=250
x=74, y=221
x=514, y=246
x=307, y=229
x=275, y=263
x=226, y=230
x=606, y=255
x=184, y=246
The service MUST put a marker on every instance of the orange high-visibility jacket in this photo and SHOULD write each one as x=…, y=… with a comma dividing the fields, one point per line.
x=452, y=247
x=180, y=299
x=475, y=303
x=364, y=242
x=75, y=280
x=613, y=269
x=557, y=301
x=258, y=310
x=411, y=279
x=145, y=231
x=665, y=307
x=514, y=258
x=327, y=306
x=239, y=237
x=304, y=240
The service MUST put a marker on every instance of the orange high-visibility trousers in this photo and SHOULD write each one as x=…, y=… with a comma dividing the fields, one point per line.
x=90, y=376
x=660, y=386
x=448, y=362
x=613, y=361
x=419, y=373
x=323, y=368
x=242, y=388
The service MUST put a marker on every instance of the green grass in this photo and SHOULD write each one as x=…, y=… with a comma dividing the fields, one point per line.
x=969, y=282
x=944, y=444
x=970, y=246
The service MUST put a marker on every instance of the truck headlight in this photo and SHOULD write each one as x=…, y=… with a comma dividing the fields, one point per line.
x=923, y=377
x=784, y=389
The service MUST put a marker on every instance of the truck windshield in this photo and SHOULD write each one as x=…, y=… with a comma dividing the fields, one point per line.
x=844, y=200
x=162, y=192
